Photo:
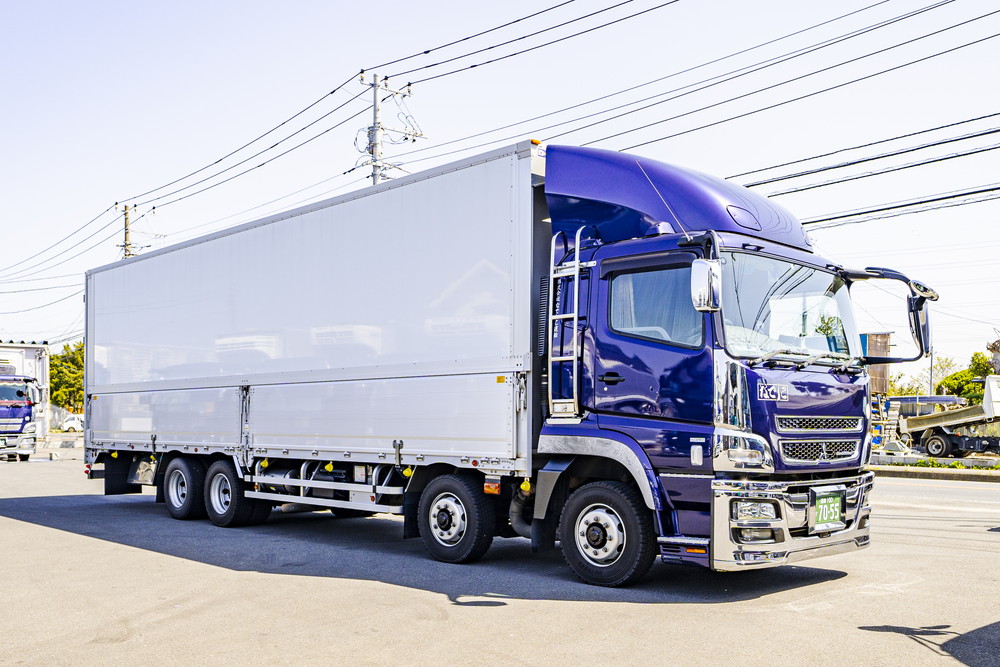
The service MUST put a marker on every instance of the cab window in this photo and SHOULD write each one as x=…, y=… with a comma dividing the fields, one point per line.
x=656, y=304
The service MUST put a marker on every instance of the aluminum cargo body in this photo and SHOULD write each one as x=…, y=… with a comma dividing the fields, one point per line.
x=401, y=313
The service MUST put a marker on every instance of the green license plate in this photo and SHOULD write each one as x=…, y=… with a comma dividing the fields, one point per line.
x=828, y=515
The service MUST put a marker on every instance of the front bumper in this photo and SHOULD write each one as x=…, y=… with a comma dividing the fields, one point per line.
x=792, y=540
x=17, y=444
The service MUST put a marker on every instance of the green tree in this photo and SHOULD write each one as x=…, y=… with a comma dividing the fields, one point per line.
x=66, y=374
x=961, y=383
x=903, y=385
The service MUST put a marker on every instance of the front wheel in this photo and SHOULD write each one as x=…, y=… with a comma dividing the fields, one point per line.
x=456, y=519
x=607, y=534
x=937, y=446
x=225, y=501
x=23, y=457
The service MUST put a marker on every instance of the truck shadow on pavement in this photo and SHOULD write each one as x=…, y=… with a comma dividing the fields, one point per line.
x=976, y=648
x=316, y=544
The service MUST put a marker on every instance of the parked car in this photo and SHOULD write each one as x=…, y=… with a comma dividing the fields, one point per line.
x=72, y=424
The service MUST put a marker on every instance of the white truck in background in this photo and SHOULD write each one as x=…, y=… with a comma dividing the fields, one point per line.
x=24, y=393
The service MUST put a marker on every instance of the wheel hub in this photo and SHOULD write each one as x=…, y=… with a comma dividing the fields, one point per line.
x=600, y=535
x=177, y=488
x=221, y=494
x=447, y=519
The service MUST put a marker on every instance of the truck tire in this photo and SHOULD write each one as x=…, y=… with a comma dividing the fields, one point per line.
x=225, y=502
x=184, y=488
x=607, y=535
x=938, y=446
x=23, y=457
x=960, y=453
x=456, y=519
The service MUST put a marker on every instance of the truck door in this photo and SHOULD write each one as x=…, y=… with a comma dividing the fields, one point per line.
x=651, y=355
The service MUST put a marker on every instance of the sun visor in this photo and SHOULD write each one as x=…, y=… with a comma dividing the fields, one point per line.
x=627, y=197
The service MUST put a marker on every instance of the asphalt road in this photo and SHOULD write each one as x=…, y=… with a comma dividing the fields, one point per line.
x=112, y=580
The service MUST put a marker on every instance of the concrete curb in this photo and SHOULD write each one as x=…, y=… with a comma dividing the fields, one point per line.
x=947, y=474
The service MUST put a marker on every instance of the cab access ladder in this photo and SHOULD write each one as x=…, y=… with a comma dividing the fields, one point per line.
x=561, y=275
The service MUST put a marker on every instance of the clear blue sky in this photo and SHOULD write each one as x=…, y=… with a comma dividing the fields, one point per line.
x=106, y=100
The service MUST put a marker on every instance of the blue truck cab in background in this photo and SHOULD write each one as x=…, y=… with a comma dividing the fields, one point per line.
x=19, y=415
x=697, y=338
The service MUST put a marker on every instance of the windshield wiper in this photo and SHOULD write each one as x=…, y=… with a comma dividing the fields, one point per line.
x=773, y=354
x=845, y=365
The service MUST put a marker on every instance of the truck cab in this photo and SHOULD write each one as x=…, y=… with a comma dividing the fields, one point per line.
x=695, y=330
x=19, y=416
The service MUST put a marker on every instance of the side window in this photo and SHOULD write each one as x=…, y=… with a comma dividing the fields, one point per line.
x=656, y=304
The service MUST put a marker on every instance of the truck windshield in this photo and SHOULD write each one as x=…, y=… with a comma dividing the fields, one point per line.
x=8, y=391
x=775, y=307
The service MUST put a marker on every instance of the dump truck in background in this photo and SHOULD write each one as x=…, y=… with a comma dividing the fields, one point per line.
x=565, y=344
x=958, y=432
x=24, y=383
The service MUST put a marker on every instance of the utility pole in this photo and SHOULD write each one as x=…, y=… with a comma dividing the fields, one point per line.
x=377, y=132
x=127, y=246
x=930, y=390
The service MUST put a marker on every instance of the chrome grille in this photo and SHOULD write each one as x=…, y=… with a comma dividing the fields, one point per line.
x=799, y=424
x=811, y=451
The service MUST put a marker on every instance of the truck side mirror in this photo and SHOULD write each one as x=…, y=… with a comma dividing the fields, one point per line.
x=917, y=315
x=706, y=285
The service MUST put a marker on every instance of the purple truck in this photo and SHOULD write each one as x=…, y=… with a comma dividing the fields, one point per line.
x=564, y=344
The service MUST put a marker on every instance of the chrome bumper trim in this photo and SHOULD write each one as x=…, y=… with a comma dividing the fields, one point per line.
x=791, y=543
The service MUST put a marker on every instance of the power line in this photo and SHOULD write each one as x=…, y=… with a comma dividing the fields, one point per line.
x=868, y=145
x=252, y=141
x=851, y=163
x=258, y=153
x=710, y=81
x=21, y=272
x=944, y=197
x=272, y=159
x=65, y=238
x=549, y=43
x=465, y=39
x=45, y=305
x=40, y=289
x=886, y=170
x=509, y=41
x=800, y=77
x=808, y=95
x=4, y=281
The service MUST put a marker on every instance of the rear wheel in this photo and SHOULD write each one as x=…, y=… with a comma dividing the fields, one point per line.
x=456, y=520
x=184, y=488
x=606, y=533
x=937, y=446
x=225, y=501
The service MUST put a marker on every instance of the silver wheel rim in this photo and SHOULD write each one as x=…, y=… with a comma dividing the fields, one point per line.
x=600, y=535
x=221, y=494
x=935, y=446
x=447, y=518
x=177, y=488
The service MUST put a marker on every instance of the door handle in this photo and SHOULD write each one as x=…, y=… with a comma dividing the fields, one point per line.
x=611, y=378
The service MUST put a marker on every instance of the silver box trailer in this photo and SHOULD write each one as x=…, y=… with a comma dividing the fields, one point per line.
x=376, y=327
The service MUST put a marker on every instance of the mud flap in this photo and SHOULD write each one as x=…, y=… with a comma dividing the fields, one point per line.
x=116, y=476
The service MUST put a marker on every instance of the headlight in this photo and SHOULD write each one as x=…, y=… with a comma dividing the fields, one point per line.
x=31, y=427
x=741, y=451
x=752, y=509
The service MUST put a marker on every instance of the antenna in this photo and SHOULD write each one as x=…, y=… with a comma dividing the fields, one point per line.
x=653, y=185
